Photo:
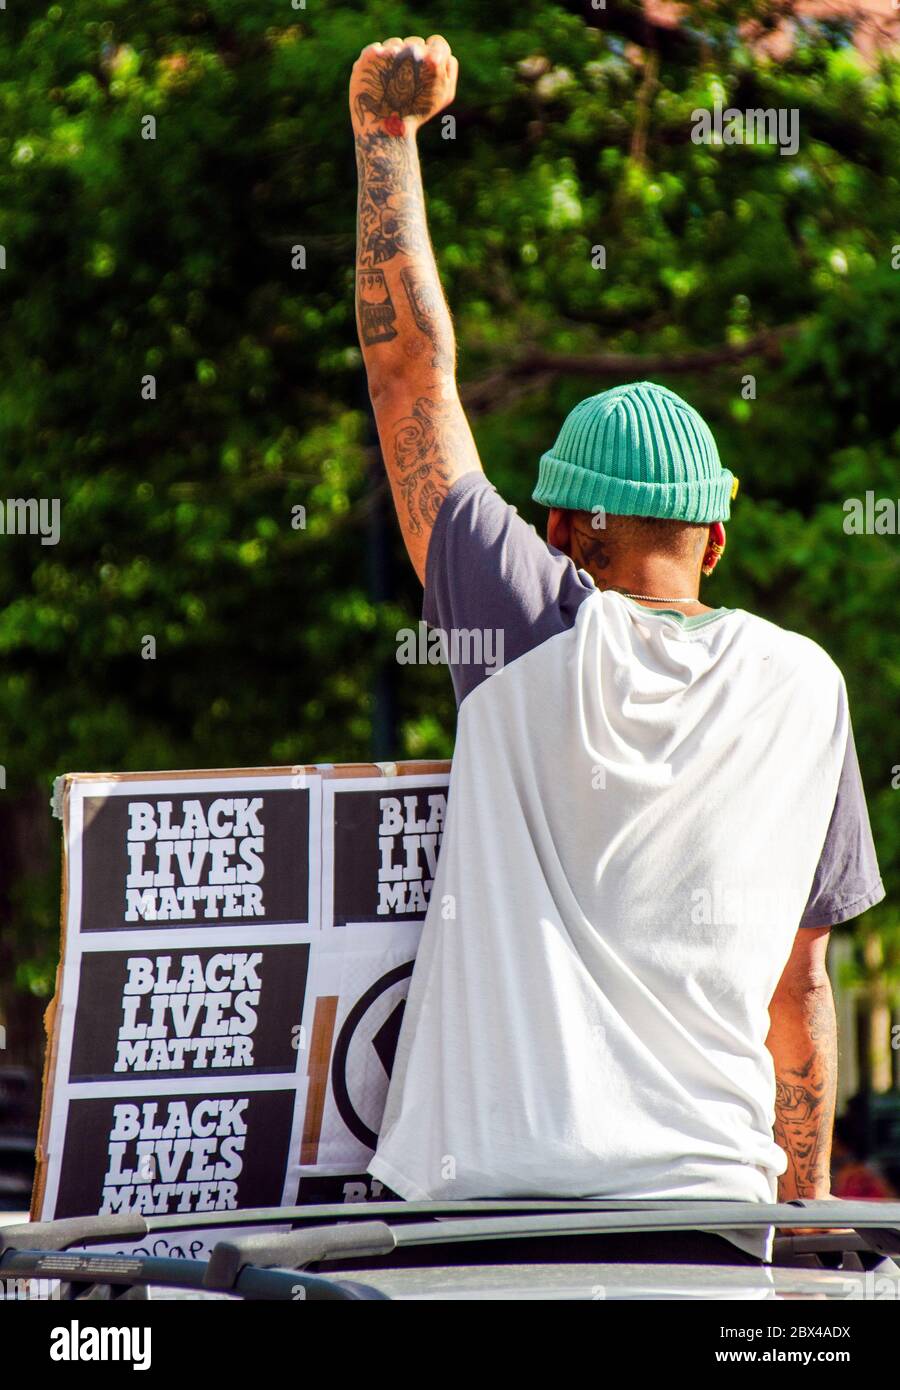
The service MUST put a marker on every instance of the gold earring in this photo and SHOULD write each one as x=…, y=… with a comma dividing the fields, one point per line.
x=718, y=551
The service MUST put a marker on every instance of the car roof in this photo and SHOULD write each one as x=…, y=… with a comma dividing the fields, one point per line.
x=622, y=1281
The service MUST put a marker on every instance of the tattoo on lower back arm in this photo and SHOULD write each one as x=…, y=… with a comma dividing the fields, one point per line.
x=799, y=1126
x=804, y=1106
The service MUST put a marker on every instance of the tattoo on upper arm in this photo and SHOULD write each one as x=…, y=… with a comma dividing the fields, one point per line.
x=423, y=445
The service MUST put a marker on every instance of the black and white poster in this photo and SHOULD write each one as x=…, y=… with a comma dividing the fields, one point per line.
x=238, y=949
x=385, y=842
x=195, y=1012
x=195, y=858
x=161, y=1154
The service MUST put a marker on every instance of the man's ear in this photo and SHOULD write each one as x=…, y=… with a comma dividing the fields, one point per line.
x=715, y=547
x=559, y=529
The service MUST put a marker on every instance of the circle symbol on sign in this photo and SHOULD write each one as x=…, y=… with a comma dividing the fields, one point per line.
x=384, y=1041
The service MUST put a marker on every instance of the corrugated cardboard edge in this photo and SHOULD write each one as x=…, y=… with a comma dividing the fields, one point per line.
x=60, y=805
x=410, y=767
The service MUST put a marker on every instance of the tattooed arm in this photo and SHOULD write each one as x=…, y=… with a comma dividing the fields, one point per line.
x=803, y=1043
x=402, y=317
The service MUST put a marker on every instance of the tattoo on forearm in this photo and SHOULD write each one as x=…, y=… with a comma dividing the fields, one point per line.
x=423, y=444
x=376, y=308
x=423, y=447
x=804, y=1108
x=426, y=305
x=391, y=216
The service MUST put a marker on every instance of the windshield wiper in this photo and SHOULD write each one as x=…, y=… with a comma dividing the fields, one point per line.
x=296, y=1249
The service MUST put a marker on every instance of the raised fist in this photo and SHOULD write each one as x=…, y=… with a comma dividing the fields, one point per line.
x=402, y=83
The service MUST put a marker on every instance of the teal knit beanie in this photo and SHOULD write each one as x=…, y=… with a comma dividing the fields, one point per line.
x=637, y=450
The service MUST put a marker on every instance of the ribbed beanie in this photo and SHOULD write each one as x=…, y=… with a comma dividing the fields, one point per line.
x=637, y=450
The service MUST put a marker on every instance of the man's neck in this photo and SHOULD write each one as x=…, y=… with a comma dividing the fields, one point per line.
x=666, y=580
x=662, y=583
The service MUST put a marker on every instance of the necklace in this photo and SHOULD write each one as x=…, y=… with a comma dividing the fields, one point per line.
x=652, y=598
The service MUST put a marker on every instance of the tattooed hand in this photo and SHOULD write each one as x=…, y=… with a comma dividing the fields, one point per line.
x=399, y=85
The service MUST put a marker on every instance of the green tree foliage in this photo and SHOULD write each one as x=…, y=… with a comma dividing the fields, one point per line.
x=177, y=258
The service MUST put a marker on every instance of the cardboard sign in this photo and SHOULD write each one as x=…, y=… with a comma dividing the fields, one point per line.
x=236, y=952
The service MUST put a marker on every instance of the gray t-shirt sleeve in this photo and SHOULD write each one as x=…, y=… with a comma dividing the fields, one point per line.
x=847, y=881
x=492, y=585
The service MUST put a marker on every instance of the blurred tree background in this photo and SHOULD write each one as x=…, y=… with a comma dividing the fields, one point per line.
x=218, y=258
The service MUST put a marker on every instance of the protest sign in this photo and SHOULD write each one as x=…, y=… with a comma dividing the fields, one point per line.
x=236, y=951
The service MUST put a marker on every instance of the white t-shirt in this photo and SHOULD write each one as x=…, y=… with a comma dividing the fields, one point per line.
x=643, y=809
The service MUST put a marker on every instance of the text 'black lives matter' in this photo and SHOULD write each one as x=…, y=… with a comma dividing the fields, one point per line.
x=161, y=1154
x=385, y=853
x=188, y=1012
x=209, y=859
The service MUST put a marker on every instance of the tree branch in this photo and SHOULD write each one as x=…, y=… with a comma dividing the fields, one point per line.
x=535, y=368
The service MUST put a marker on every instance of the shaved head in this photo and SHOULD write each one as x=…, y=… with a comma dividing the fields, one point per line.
x=655, y=558
x=596, y=544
